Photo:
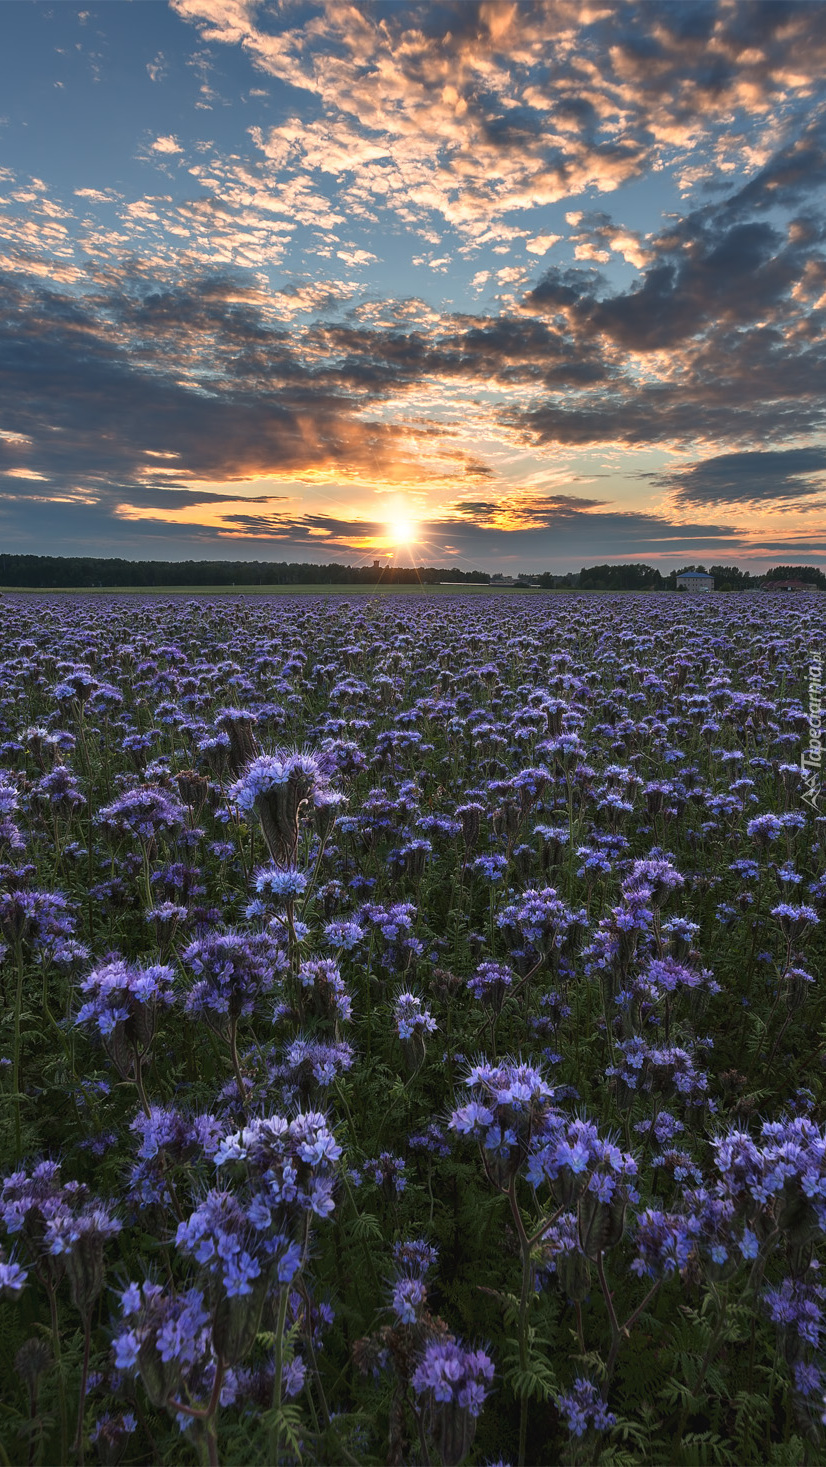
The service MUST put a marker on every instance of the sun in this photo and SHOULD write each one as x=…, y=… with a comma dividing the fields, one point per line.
x=401, y=531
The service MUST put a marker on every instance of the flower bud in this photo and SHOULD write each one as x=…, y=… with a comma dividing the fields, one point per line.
x=237, y=1322
x=31, y=1361
x=86, y=1270
x=453, y=1430
x=601, y=1224
x=574, y=1274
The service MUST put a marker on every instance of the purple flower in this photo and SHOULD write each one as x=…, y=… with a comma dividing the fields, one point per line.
x=542, y=919
x=311, y=1062
x=511, y=1104
x=662, y=1243
x=322, y=983
x=145, y=812
x=388, y=1172
x=121, y=1004
x=412, y=1019
x=12, y=1279
x=490, y=983
x=233, y=970
x=409, y=1297
x=280, y=885
x=278, y=787
x=293, y=1161
x=294, y=1375
x=583, y=1407
x=794, y=920
x=110, y=1431
x=450, y=1374
x=162, y=1330
x=797, y=1306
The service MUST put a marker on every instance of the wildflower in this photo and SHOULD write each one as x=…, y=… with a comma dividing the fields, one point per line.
x=388, y=1173
x=490, y=984
x=411, y=1017
x=796, y=1306
x=450, y=1373
x=233, y=970
x=309, y=1063
x=794, y=920
x=293, y=1161
x=278, y=788
x=583, y=1407
x=121, y=1003
x=662, y=1243
x=12, y=1278
x=409, y=1296
x=80, y=1238
x=543, y=920
x=59, y=791
x=322, y=984
x=165, y=1338
x=511, y=1105
x=145, y=812
x=280, y=886
x=109, y=1434
x=492, y=868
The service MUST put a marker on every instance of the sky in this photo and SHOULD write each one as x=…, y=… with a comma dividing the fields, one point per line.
x=516, y=286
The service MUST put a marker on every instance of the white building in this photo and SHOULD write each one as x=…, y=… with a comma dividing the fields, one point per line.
x=695, y=581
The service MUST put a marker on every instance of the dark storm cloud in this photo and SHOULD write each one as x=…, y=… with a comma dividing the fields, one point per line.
x=794, y=175
x=702, y=273
x=739, y=478
x=505, y=349
x=94, y=401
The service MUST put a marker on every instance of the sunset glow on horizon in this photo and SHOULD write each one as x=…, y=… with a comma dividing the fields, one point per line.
x=475, y=283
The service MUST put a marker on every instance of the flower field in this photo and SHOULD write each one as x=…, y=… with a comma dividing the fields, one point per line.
x=413, y=1031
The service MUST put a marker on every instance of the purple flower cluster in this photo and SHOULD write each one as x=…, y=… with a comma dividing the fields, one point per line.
x=512, y=1106
x=583, y=1408
x=451, y=1375
x=233, y=970
x=411, y=1017
x=292, y=1162
x=146, y=812
x=121, y=1000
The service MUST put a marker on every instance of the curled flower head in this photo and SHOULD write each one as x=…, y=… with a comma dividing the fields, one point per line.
x=232, y=969
x=121, y=1003
x=278, y=787
x=511, y=1104
x=146, y=812
x=411, y=1017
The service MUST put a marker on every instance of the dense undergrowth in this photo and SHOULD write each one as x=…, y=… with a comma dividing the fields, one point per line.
x=413, y=1032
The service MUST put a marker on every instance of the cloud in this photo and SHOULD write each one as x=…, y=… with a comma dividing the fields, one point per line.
x=541, y=243
x=762, y=476
x=167, y=144
x=217, y=353
x=156, y=69
x=470, y=110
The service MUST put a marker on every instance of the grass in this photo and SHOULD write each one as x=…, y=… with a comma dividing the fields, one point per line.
x=293, y=590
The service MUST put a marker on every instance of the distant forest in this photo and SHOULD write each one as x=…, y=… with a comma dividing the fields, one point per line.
x=55, y=572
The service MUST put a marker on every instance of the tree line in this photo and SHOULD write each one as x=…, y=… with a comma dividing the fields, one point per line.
x=56, y=572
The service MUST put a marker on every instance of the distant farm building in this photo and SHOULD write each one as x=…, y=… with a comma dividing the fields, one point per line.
x=695, y=581
x=792, y=585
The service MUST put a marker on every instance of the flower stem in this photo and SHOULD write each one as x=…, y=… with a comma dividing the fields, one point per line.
x=278, y=1383
x=84, y=1378
x=15, y=1074
x=61, y=1384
